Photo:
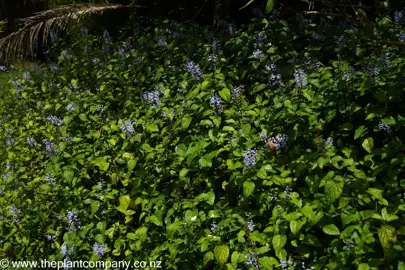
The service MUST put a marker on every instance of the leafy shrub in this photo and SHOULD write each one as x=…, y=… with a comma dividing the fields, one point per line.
x=156, y=148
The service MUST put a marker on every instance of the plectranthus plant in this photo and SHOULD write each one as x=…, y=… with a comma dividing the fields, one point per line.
x=249, y=148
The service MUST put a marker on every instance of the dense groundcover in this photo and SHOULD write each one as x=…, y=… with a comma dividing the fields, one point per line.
x=156, y=147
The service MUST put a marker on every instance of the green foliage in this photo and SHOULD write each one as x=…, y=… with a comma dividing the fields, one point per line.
x=148, y=149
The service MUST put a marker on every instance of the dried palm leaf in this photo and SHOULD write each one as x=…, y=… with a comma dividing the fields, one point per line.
x=35, y=30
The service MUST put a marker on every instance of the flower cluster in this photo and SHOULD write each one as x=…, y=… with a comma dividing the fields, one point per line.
x=65, y=252
x=349, y=243
x=216, y=102
x=385, y=61
x=280, y=141
x=215, y=47
x=317, y=36
x=287, y=192
x=73, y=221
x=346, y=75
x=385, y=127
x=250, y=158
x=67, y=139
x=273, y=197
x=236, y=91
x=99, y=249
x=194, y=70
x=342, y=41
x=253, y=261
x=50, y=179
x=251, y=226
x=214, y=227
x=55, y=120
x=71, y=107
x=18, y=86
x=275, y=77
x=328, y=142
x=50, y=237
x=10, y=141
x=401, y=37
x=284, y=264
x=213, y=58
x=372, y=72
x=152, y=96
x=122, y=52
x=106, y=36
x=263, y=136
x=162, y=43
x=5, y=176
x=261, y=37
x=257, y=54
x=399, y=18
x=37, y=69
x=300, y=77
x=14, y=212
x=127, y=127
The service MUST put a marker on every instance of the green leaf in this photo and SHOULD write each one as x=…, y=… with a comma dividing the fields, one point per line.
x=363, y=266
x=221, y=254
x=156, y=220
x=246, y=129
x=279, y=241
x=131, y=236
x=181, y=150
x=386, y=234
x=321, y=162
x=152, y=127
x=209, y=256
x=359, y=132
x=268, y=262
x=333, y=190
x=101, y=162
x=225, y=94
x=94, y=206
x=235, y=258
x=295, y=226
x=99, y=238
x=131, y=165
x=331, y=229
x=101, y=226
x=205, y=161
x=206, y=122
x=250, y=2
x=401, y=266
x=308, y=212
x=124, y=200
x=248, y=188
x=368, y=144
x=83, y=117
x=204, y=84
x=388, y=121
x=186, y=121
x=68, y=175
x=270, y=5
x=376, y=193
x=141, y=233
x=370, y=116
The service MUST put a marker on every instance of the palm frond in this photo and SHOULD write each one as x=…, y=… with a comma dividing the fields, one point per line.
x=27, y=39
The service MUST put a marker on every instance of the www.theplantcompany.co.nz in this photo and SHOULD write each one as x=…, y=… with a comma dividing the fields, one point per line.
x=45, y=264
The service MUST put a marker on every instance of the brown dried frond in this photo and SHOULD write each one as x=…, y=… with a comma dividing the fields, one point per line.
x=35, y=30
